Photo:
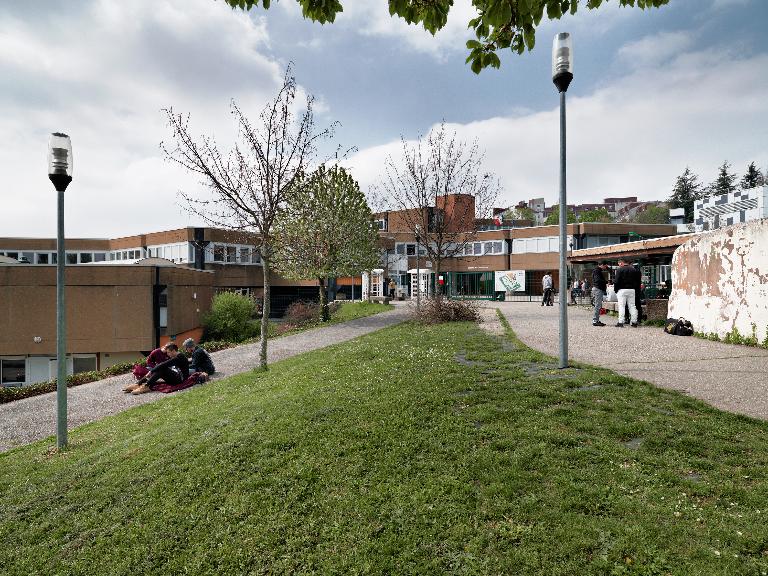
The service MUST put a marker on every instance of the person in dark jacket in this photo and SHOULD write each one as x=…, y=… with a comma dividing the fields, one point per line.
x=173, y=371
x=200, y=359
x=599, y=288
x=627, y=279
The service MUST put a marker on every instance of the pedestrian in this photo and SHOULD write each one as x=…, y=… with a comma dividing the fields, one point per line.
x=575, y=291
x=392, y=288
x=173, y=371
x=638, y=295
x=627, y=279
x=200, y=360
x=599, y=289
x=546, y=284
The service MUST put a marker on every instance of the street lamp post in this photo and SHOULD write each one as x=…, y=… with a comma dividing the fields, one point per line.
x=562, y=74
x=60, y=173
x=418, y=270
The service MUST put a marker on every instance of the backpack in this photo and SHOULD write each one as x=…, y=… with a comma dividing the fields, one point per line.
x=678, y=327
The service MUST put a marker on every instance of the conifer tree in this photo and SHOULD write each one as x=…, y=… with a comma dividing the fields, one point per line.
x=752, y=178
x=685, y=192
x=725, y=182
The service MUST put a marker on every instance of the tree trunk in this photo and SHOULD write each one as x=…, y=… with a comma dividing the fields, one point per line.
x=265, y=310
x=324, y=316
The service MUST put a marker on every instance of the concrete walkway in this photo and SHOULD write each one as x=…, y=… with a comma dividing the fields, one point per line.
x=31, y=419
x=730, y=377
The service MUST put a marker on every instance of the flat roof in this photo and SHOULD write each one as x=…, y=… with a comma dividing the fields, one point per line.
x=664, y=245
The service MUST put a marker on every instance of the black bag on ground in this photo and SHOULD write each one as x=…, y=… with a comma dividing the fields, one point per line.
x=678, y=327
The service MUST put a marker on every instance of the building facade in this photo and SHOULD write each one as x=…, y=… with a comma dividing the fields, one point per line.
x=736, y=207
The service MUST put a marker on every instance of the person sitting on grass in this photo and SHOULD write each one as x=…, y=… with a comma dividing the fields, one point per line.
x=173, y=371
x=200, y=360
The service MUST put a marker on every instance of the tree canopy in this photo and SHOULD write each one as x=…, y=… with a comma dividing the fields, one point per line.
x=554, y=216
x=497, y=24
x=685, y=192
x=596, y=215
x=652, y=215
x=326, y=230
x=724, y=183
x=752, y=178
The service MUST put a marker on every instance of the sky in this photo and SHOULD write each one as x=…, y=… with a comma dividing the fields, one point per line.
x=654, y=92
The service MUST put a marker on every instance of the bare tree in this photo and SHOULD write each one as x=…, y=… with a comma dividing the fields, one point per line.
x=440, y=189
x=249, y=184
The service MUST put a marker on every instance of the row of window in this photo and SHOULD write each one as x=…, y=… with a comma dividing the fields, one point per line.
x=487, y=248
x=50, y=257
x=538, y=245
x=232, y=254
x=20, y=370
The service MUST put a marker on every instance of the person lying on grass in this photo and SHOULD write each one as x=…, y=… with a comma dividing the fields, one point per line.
x=173, y=371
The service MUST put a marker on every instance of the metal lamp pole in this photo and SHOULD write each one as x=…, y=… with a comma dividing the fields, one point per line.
x=60, y=173
x=562, y=74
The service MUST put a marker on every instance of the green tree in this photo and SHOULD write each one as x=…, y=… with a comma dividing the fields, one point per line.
x=685, y=192
x=325, y=231
x=554, y=216
x=523, y=213
x=248, y=185
x=497, y=24
x=752, y=178
x=652, y=215
x=724, y=183
x=597, y=215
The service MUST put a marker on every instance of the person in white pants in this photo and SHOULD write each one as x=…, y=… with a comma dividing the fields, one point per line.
x=624, y=284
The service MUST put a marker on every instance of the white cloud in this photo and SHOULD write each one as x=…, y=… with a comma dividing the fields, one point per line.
x=630, y=138
x=655, y=50
x=106, y=89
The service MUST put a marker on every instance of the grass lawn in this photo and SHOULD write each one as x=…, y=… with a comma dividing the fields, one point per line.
x=414, y=450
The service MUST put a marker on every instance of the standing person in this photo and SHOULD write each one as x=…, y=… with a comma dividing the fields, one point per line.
x=173, y=371
x=575, y=291
x=627, y=279
x=638, y=294
x=200, y=359
x=599, y=289
x=546, y=284
x=392, y=288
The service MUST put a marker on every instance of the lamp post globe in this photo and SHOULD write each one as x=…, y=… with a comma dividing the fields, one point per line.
x=60, y=174
x=562, y=74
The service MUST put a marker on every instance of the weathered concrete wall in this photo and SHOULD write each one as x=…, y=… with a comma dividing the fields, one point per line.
x=720, y=280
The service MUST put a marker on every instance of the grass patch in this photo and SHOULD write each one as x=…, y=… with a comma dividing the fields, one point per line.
x=414, y=450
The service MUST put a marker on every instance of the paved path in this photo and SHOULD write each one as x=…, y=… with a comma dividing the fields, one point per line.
x=730, y=377
x=31, y=419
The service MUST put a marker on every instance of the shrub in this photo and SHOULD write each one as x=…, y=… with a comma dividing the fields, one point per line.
x=440, y=309
x=231, y=318
x=302, y=313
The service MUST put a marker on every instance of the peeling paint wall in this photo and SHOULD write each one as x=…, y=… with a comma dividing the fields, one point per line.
x=720, y=280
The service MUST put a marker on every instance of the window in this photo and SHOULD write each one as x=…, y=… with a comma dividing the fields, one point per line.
x=27, y=257
x=468, y=249
x=488, y=248
x=255, y=256
x=245, y=257
x=14, y=255
x=12, y=371
x=83, y=364
x=218, y=253
x=42, y=258
x=381, y=224
x=99, y=256
x=410, y=249
x=71, y=258
x=111, y=256
x=400, y=248
x=231, y=254
x=86, y=257
x=498, y=247
x=477, y=248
